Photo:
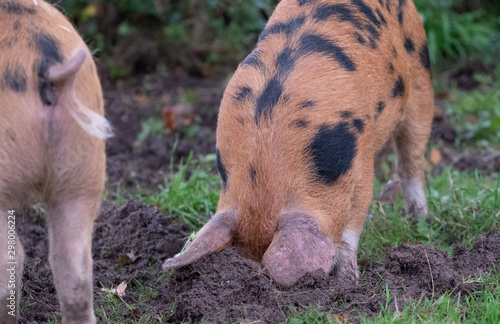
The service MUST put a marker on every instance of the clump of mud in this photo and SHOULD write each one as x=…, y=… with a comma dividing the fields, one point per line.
x=225, y=288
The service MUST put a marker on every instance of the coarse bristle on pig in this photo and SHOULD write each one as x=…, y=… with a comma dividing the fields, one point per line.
x=329, y=83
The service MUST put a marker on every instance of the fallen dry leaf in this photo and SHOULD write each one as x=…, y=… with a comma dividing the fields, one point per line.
x=118, y=291
x=435, y=157
x=446, y=96
x=178, y=116
x=389, y=191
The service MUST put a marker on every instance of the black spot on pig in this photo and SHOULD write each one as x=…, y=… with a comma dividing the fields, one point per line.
x=332, y=151
x=285, y=62
x=374, y=35
x=17, y=25
x=304, y=2
x=306, y=104
x=301, y=123
x=50, y=55
x=345, y=114
x=379, y=109
x=390, y=68
x=253, y=60
x=409, y=45
x=424, y=57
x=339, y=11
x=400, y=17
x=12, y=7
x=381, y=17
x=402, y=3
x=398, y=90
x=360, y=38
x=312, y=43
x=367, y=11
x=359, y=125
x=394, y=52
x=243, y=93
x=268, y=99
x=288, y=28
x=253, y=175
x=15, y=78
x=222, y=170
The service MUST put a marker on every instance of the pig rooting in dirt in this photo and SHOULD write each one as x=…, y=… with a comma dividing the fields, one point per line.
x=52, y=133
x=329, y=82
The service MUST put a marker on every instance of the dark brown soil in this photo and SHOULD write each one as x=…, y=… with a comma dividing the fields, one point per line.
x=225, y=288
x=131, y=163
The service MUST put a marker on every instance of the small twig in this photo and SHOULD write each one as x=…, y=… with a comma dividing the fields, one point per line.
x=104, y=314
x=430, y=270
x=458, y=300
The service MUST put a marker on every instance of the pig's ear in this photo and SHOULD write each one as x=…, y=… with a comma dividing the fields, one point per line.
x=214, y=236
x=298, y=247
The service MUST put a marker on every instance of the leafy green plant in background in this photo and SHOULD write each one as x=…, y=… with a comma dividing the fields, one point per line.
x=202, y=36
x=476, y=114
x=455, y=35
x=192, y=35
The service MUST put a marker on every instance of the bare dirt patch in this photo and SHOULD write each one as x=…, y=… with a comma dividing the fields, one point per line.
x=224, y=287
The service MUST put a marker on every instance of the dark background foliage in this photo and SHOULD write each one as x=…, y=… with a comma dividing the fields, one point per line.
x=209, y=37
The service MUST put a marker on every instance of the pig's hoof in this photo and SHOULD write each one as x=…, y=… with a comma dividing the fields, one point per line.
x=417, y=210
x=414, y=197
x=346, y=273
x=389, y=192
x=298, y=247
x=346, y=263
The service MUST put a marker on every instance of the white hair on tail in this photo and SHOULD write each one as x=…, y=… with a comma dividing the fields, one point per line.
x=91, y=122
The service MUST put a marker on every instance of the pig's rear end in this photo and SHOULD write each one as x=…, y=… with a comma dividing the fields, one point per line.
x=52, y=147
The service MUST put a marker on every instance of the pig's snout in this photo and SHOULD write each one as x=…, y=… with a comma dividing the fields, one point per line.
x=298, y=247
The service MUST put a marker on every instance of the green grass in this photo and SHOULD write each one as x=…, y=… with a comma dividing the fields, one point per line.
x=481, y=306
x=115, y=310
x=462, y=205
x=193, y=199
x=150, y=126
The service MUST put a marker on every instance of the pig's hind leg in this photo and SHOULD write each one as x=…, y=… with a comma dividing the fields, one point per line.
x=70, y=223
x=411, y=141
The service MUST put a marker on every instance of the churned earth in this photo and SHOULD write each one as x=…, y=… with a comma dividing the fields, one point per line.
x=131, y=240
x=226, y=288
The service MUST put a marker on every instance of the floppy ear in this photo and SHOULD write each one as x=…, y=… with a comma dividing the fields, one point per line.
x=216, y=235
x=298, y=247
